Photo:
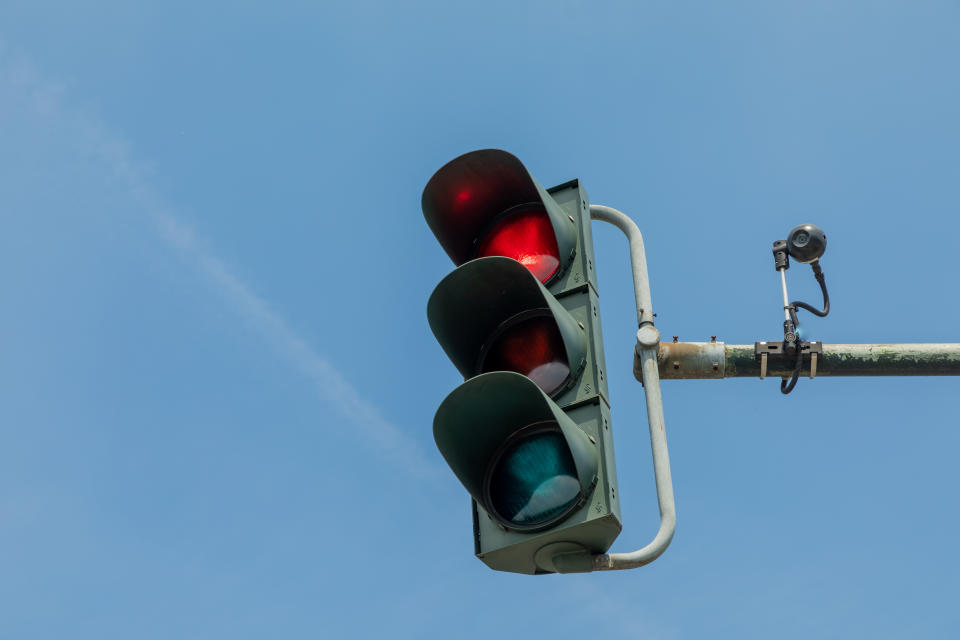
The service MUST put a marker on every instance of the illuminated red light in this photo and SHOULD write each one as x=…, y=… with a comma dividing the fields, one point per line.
x=532, y=347
x=527, y=237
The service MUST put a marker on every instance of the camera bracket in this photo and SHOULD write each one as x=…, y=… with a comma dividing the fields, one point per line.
x=781, y=255
x=806, y=245
x=780, y=356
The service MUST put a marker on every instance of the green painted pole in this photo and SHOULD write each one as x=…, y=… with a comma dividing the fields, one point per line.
x=714, y=360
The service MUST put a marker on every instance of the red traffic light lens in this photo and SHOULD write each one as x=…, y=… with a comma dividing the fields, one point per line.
x=527, y=237
x=532, y=347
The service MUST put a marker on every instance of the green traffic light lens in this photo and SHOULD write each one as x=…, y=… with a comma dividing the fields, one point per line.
x=533, y=482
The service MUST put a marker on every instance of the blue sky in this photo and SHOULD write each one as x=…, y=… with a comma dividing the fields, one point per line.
x=217, y=381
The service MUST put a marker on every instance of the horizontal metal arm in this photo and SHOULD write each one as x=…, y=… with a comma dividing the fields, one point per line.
x=706, y=360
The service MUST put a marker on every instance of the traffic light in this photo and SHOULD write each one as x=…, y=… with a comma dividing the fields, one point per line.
x=528, y=432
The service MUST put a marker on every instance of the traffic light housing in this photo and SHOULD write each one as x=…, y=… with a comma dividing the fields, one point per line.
x=528, y=432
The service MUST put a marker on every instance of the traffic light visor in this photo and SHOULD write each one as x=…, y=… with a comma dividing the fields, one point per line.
x=486, y=203
x=515, y=451
x=492, y=314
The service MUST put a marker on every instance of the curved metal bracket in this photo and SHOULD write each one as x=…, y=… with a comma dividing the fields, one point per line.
x=648, y=340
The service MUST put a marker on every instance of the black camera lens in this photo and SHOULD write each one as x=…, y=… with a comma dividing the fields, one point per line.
x=806, y=243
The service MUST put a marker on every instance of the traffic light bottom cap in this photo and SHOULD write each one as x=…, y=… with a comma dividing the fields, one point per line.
x=562, y=557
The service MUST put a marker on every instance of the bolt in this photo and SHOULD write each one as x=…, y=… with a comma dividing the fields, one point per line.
x=713, y=338
x=676, y=338
x=676, y=364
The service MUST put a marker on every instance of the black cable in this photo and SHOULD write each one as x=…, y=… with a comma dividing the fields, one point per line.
x=818, y=274
x=792, y=309
x=786, y=387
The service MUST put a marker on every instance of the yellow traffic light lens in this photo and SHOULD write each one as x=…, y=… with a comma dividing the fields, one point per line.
x=532, y=347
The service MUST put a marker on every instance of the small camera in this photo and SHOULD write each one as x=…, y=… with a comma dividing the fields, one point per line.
x=806, y=243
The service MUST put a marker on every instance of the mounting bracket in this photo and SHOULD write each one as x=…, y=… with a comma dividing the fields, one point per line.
x=782, y=354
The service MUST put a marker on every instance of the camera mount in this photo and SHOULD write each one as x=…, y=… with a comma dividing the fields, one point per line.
x=805, y=244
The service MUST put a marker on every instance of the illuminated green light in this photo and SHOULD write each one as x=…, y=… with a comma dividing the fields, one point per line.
x=534, y=481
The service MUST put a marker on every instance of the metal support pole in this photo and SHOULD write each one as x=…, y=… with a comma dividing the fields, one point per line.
x=638, y=258
x=706, y=360
x=647, y=340
x=786, y=298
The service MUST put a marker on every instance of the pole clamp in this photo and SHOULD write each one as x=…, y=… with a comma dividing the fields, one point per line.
x=778, y=356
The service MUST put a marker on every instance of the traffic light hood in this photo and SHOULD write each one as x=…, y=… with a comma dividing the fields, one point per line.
x=470, y=308
x=480, y=417
x=465, y=199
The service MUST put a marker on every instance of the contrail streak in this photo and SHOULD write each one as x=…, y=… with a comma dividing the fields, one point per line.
x=25, y=93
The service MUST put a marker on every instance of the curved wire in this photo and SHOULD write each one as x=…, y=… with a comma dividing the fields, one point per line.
x=785, y=385
x=818, y=274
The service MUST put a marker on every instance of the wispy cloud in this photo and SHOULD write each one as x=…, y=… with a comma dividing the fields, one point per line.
x=43, y=103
